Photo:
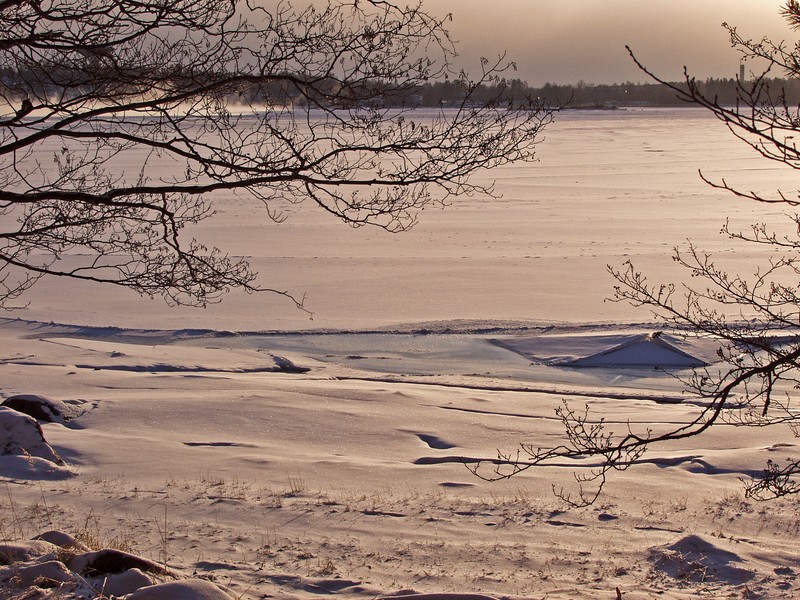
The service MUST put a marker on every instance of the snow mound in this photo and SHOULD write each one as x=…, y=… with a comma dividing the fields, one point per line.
x=693, y=558
x=614, y=349
x=33, y=468
x=645, y=350
x=187, y=589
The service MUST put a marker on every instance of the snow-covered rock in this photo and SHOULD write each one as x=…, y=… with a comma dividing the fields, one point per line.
x=51, y=573
x=112, y=561
x=63, y=540
x=21, y=435
x=45, y=410
x=25, y=551
x=127, y=582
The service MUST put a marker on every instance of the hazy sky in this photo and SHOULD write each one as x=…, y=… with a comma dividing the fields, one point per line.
x=570, y=40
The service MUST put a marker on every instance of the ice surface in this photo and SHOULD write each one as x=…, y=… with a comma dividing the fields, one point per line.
x=610, y=186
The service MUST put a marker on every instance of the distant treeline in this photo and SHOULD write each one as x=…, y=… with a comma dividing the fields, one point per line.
x=516, y=92
x=295, y=90
x=583, y=95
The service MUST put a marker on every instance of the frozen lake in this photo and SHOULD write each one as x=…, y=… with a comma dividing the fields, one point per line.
x=610, y=186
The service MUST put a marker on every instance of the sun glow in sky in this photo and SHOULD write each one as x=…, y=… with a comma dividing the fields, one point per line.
x=574, y=40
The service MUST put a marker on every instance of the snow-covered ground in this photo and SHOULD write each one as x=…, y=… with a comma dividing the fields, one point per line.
x=284, y=457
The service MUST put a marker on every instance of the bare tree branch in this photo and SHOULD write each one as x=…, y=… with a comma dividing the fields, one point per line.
x=281, y=105
x=755, y=316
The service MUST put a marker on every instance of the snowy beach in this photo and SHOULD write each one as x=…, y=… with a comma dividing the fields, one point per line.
x=280, y=456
